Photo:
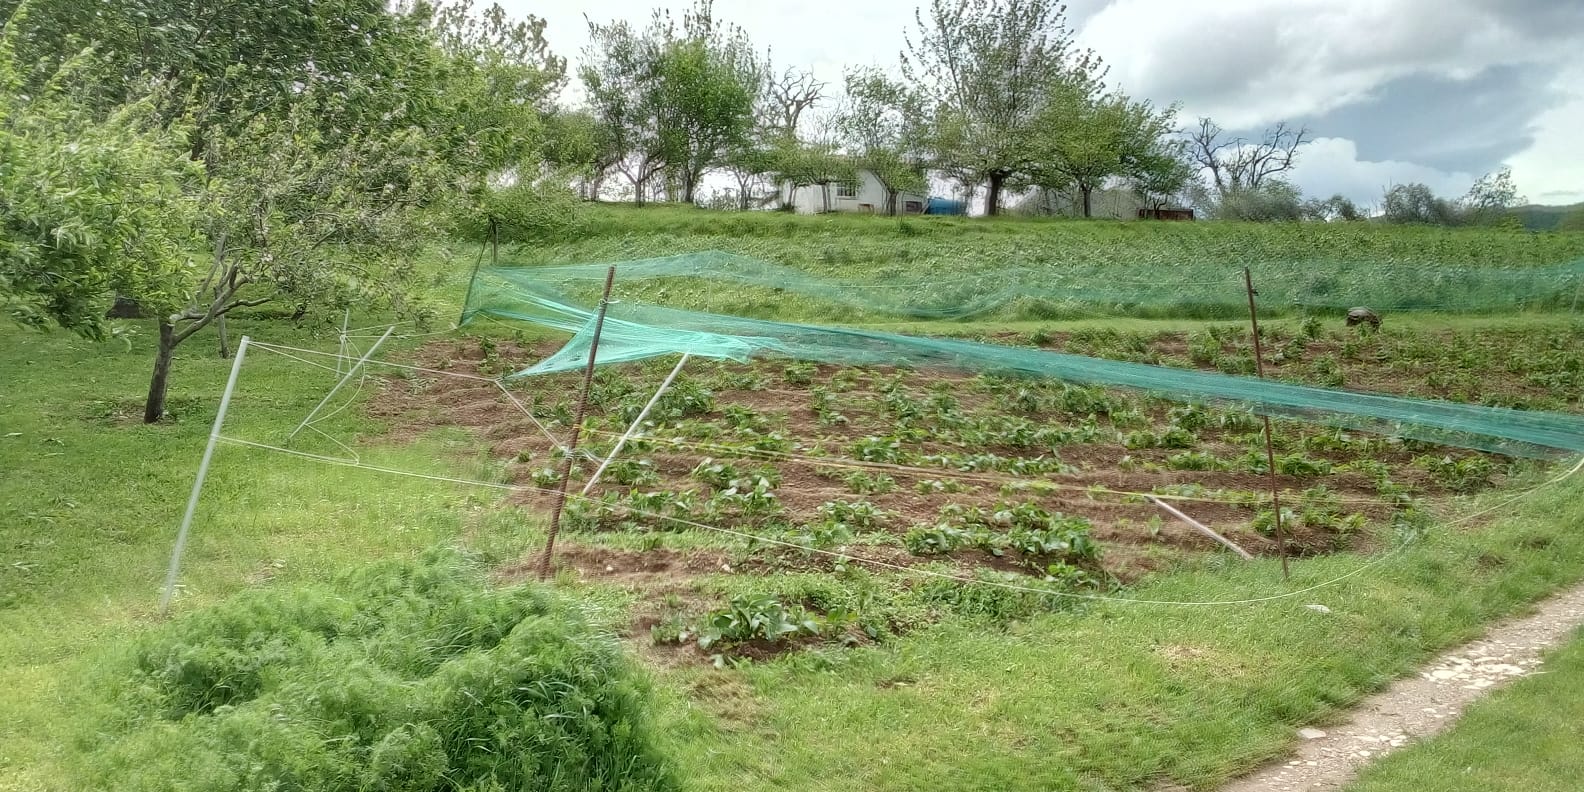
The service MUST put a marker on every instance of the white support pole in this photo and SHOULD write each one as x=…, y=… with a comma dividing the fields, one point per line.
x=346, y=319
x=203, y=470
x=1200, y=527
x=351, y=372
x=642, y=414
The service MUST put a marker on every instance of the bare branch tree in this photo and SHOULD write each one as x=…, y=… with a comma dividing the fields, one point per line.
x=787, y=96
x=1237, y=164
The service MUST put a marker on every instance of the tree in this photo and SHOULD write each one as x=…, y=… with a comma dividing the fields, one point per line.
x=881, y=125
x=1085, y=139
x=578, y=143
x=88, y=206
x=1163, y=173
x=1490, y=197
x=1416, y=203
x=672, y=98
x=1336, y=208
x=983, y=70
x=291, y=218
x=1572, y=221
x=1238, y=164
x=1273, y=201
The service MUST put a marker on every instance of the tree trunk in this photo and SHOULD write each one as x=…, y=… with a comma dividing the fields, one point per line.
x=689, y=187
x=154, y=408
x=1088, y=193
x=993, y=198
x=225, y=340
x=891, y=202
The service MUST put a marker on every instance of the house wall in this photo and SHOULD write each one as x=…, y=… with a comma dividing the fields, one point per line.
x=869, y=197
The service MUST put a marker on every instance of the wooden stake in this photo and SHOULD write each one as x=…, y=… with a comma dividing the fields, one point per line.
x=577, y=428
x=1270, y=449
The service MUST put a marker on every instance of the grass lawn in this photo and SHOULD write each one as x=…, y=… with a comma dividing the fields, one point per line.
x=1527, y=736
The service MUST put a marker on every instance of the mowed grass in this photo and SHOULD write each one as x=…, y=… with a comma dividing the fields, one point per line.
x=92, y=498
x=1100, y=696
x=1527, y=736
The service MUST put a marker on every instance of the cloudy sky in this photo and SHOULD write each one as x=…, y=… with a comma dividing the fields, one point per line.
x=1433, y=91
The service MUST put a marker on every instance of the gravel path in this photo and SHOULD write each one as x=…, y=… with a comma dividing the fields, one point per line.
x=1419, y=706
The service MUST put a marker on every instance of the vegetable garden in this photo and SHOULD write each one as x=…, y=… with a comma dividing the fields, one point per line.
x=772, y=471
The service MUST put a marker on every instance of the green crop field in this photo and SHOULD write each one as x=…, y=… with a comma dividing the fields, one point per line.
x=927, y=579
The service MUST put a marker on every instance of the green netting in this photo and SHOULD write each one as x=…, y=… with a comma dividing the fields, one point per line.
x=562, y=298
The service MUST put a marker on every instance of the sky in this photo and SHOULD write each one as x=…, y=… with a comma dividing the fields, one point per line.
x=1392, y=91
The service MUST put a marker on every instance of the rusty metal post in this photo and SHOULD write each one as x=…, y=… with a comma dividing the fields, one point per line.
x=577, y=428
x=1270, y=449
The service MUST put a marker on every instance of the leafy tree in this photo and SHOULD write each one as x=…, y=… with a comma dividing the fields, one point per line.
x=291, y=217
x=576, y=142
x=1490, y=198
x=1417, y=203
x=219, y=64
x=882, y=125
x=1273, y=201
x=1162, y=174
x=671, y=98
x=983, y=71
x=1087, y=139
x=87, y=205
x=1572, y=221
x=1336, y=208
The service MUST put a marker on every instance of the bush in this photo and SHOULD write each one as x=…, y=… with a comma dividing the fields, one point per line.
x=529, y=211
x=405, y=676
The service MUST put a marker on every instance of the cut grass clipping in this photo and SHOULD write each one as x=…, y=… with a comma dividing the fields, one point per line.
x=403, y=676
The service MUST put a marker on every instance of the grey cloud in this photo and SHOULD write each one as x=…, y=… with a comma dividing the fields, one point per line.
x=1459, y=125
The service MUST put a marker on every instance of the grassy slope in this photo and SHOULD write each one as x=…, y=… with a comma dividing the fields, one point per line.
x=1120, y=696
x=1525, y=737
x=1109, y=696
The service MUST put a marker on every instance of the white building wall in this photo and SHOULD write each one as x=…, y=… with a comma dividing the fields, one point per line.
x=870, y=196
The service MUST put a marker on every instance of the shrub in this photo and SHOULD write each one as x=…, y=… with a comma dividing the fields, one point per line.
x=404, y=676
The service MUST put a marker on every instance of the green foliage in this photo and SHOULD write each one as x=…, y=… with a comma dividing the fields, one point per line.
x=757, y=618
x=396, y=677
x=1461, y=474
x=983, y=69
x=668, y=98
x=91, y=206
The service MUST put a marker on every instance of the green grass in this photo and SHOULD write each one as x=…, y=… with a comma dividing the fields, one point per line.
x=93, y=497
x=1119, y=696
x=1527, y=736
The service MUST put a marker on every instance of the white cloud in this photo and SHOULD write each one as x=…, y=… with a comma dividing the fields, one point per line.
x=1551, y=170
x=1251, y=62
x=1328, y=166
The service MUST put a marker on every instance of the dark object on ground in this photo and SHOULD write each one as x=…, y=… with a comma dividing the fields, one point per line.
x=126, y=308
x=1364, y=316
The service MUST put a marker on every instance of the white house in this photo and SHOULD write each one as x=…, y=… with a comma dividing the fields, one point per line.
x=867, y=194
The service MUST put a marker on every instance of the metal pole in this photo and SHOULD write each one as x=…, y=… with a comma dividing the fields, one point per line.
x=577, y=428
x=203, y=470
x=345, y=378
x=1270, y=449
x=642, y=414
x=1200, y=527
x=346, y=319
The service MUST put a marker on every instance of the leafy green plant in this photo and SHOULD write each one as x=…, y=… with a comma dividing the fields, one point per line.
x=1462, y=474
x=863, y=483
x=405, y=675
x=751, y=618
x=799, y=373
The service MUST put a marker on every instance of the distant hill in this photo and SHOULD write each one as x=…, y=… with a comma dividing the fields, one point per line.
x=1540, y=217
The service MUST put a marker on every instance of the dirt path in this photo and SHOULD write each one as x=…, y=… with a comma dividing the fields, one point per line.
x=1419, y=706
